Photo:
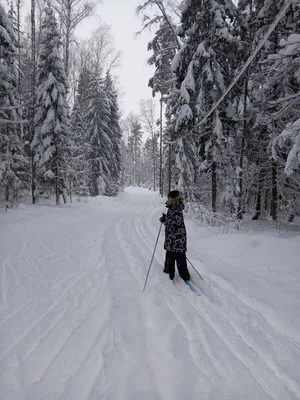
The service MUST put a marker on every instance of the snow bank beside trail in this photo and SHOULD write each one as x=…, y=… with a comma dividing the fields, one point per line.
x=252, y=282
x=262, y=270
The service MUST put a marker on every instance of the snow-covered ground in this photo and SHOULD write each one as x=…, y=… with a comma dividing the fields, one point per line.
x=75, y=324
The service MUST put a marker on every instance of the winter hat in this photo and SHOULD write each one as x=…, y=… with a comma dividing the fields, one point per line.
x=173, y=194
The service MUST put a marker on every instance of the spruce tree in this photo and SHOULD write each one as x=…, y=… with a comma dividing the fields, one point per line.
x=79, y=171
x=202, y=70
x=98, y=137
x=52, y=135
x=163, y=48
x=115, y=135
x=11, y=154
x=134, y=149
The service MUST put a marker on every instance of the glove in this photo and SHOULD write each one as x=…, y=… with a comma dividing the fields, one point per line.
x=163, y=218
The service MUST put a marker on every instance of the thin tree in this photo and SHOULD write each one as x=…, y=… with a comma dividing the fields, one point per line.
x=71, y=13
x=148, y=119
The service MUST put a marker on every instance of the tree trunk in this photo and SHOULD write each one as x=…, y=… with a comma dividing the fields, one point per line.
x=214, y=187
x=57, y=185
x=64, y=192
x=68, y=38
x=21, y=127
x=154, y=161
x=258, y=204
x=274, y=201
x=32, y=111
x=6, y=193
x=134, y=167
x=70, y=188
x=241, y=164
x=170, y=168
x=267, y=199
x=33, y=178
x=161, y=149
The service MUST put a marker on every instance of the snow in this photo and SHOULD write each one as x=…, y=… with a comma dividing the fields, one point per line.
x=189, y=81
x=290, y=134
x=184, y=5
x=290, y=47
x=75, y=323
x=175, y=64
x=184, y=113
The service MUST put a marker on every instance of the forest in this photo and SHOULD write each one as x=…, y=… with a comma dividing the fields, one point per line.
x=223, y=124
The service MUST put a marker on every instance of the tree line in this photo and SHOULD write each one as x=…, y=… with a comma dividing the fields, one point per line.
x=59, y=116
x=240, y=154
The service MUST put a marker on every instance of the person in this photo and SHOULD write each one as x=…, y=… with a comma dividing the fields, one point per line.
x=175, y=237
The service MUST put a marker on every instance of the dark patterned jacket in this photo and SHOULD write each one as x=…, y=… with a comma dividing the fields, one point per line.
x=175, y=239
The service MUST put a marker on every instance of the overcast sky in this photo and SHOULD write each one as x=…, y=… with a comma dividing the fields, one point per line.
x=134, y=72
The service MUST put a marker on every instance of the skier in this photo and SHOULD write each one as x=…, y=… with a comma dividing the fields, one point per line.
x=175, y=237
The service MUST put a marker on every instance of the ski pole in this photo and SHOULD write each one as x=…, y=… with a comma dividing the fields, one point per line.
x=152, y=257
x=195, y=269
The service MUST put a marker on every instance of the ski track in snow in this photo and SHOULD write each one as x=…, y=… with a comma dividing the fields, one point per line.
x=75, y=324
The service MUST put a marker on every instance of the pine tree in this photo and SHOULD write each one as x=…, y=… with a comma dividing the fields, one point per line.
x=98, y=137
x=134, y=149
x=163, y=47
x=51, y=140
x=284, y=75
x=202, y=71
x=11, y=154
x=265, y=88
x=83, y=90
x=147, y=176
x=79, y=174
x=115, y=135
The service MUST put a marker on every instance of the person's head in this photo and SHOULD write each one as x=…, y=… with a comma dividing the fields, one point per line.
x=174, y=197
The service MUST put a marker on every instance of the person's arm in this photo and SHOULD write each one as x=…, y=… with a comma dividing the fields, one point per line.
x=163, y=219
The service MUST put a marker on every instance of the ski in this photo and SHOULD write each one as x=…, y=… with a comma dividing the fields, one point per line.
x=193, y=288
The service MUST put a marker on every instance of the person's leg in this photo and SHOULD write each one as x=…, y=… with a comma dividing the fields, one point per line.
x=171, y=264
x=167, y=260
x=182, y=266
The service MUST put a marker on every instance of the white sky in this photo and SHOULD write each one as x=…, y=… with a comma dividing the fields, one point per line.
x=134, y=72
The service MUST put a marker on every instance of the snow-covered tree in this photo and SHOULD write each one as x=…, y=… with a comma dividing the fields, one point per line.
x=286, y=146
x=11, y=154
x=115, y=135
x=202, y=70
x=163, y=48
x=148, y=119
x=98, y=137
x=79, y=165
x=148, y=164
x=132, y=129
x=52, y=135
x=265, y=121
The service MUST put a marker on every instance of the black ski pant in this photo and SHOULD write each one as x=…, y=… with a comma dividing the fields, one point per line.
x=180, y=259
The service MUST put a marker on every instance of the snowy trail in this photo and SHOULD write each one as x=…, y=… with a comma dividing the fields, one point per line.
x=75, y=324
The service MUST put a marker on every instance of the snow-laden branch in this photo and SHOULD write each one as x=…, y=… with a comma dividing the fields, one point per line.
x=157, y=18
x=279, y=17
x=169, y=22
x=6, y=121
x=14, y=107
x=284, y=99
